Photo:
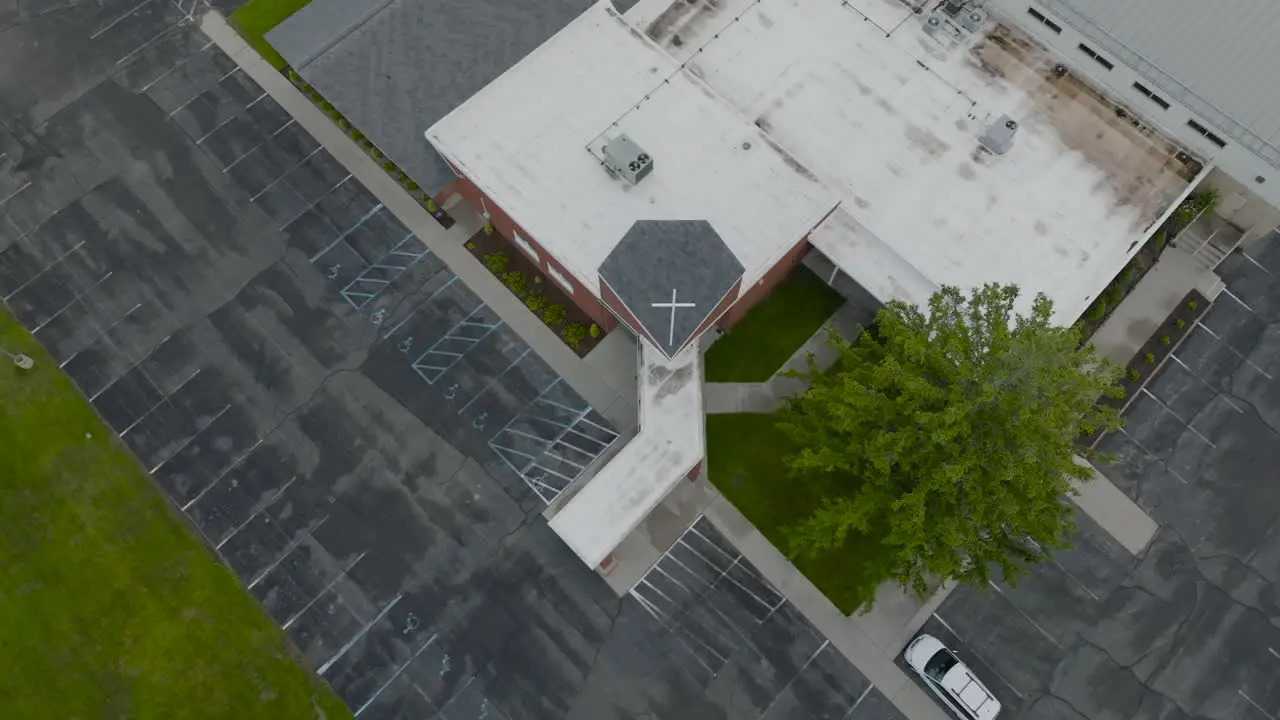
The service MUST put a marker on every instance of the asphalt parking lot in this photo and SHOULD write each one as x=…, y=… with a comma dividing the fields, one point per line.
x=361, y=439
x=1187, y=630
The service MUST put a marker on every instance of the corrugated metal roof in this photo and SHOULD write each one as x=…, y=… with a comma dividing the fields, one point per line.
x=1218, y=58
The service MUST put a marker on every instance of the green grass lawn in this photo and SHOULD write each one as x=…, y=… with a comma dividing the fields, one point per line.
x=744, y=461
x=754, y=349
x=256, y=17
x=109, y=606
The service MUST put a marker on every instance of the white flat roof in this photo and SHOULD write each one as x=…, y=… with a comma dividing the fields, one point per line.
x=892, y=124
x=527, y=140
x=670, y=443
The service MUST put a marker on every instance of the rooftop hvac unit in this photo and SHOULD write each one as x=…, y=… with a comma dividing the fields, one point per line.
x=622, y=156
x=999, y=137
x=972, y=19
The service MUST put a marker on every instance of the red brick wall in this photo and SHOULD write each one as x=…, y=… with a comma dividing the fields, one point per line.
x=762, y=288
x=614, y=303
x=725, y=303
x=581, y=296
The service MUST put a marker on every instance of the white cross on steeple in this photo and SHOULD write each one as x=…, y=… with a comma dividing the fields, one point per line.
x=671, y=336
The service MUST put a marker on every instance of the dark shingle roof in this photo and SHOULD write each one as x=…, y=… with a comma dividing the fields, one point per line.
x=659, y=262
x=395, y=67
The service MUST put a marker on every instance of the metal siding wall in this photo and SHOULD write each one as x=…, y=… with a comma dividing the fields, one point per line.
x=1221, y=51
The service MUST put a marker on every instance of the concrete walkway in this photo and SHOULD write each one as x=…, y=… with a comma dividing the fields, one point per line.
x=1156, y=295
x=598, y=383
x=765, y=397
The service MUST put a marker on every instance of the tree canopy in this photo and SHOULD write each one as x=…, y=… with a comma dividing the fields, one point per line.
x=947, y=437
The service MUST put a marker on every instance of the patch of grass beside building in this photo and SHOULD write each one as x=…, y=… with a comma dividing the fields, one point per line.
x=255, y=19
x=109, y=606
x=759, y=344
x=745, y=454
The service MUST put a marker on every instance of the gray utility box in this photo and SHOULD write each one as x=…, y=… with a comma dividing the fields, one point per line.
x=624, y=157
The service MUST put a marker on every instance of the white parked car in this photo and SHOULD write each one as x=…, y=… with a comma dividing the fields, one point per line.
x=950, y=679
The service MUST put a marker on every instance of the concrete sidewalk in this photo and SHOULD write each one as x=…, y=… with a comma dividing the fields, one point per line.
x=765, y=397
x=590, y=380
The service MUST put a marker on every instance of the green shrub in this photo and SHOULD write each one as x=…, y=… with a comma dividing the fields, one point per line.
x=1165, y=340
x=471, y=245
x=1193, y=305
x=1113, y=294
x=1134, y=375
x=1149, y=359
x=573, y=334
x=1159, y=240
x=497, y=262
x=514, y=280
x=343, y=124
x=1098, y=309
x=357, y=135
x=553, y=315
x=1180, y=323
x=377, y=154
x=537, y=279
x=389, y=166
x=412, y=186
x=535, y=302
x=294, y=77
x=594, y=330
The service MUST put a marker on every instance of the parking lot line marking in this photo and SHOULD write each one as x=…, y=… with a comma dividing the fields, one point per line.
x=1273, y=652
x=185, y=60
x=113, y=23
x=858, y=702
x=162, y=400
x=806, y=664
x=951, y=630
x=399, y=671
x=216, y=129
x=341, y=574
x=191, y=439
x=282, y=177
x=1193, y=374
x=288, y=550
x=1227, y=345
x=1243, y=304
x=256, y=513
x=1024, y=615
x=1261, y=267
x=222, y=474
x=148, y=43
x=356, y=638
x=46, y=269
x=1157, y=458
x=74, y=300
x=102, y=332
x=10, y=196
x=494, y=380
x=313, y=203
x=343, y=235
x=1178, y=417
x=1256, y=705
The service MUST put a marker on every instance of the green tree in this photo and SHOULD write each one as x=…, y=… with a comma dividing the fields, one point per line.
x=944, y=441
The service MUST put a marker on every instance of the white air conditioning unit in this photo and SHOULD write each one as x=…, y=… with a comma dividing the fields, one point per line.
x=623, y=157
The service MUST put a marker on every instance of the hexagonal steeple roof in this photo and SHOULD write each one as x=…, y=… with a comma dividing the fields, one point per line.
x=671, y=274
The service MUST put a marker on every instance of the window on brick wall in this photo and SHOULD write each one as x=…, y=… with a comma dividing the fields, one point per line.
x=524, y=245
x=560, y=279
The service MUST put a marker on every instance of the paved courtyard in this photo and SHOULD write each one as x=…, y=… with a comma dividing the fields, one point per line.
x=1191, y=629
x=365, y=443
